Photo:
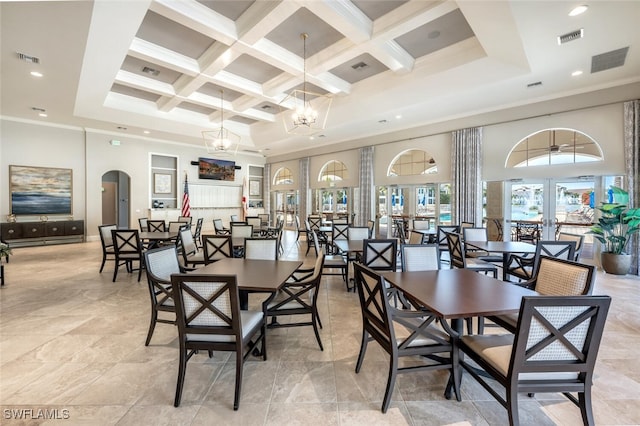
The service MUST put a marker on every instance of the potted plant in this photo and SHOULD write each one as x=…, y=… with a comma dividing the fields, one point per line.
x=615, y=227
x=5, y=251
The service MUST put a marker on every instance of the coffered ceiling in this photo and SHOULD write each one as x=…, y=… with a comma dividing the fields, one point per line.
x=159, y=66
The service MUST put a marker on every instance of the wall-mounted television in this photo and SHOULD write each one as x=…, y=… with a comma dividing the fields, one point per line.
x=210, y=168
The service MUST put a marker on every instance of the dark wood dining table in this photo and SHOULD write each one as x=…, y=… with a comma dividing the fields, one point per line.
x=504, y=247
x=153, y=238
x=253, y=275
x=455, y=294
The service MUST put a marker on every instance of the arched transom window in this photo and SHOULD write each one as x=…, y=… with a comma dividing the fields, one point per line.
x=283, y=177
x=333, y=171
x=413, y=162
x=554, y=146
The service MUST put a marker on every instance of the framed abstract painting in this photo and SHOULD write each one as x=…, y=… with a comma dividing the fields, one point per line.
x=40, y=190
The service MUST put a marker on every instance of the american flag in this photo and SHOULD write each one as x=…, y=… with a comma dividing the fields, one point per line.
x=186, y=207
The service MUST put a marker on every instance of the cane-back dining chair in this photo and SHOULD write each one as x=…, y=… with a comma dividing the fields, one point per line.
x=144, y=226
x=219, y=227
x=209, y=319
x=400, y=332
x=216, y=247
x=106, y=240
x=553, y=349
x=415, y=238
x=420, y=257
x=191, y=256
x=299, y=296
x=261, y=248
x=161, y=263
x=554, y=277
x=523, y=266
x=197, y=232
x=579, y=240
x=128, y=250
x=479, y=234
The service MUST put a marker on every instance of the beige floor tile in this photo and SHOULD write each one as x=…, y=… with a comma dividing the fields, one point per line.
x=70, y=339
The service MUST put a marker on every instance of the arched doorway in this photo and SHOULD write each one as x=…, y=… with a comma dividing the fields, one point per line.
x=115, y=198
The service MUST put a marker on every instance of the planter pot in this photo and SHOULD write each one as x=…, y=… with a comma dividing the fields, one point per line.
x=617, y=264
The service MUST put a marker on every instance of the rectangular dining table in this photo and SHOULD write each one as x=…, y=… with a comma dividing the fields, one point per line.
x=455, y=294
x=253, y=275
x=154, y=238
x=504, y=247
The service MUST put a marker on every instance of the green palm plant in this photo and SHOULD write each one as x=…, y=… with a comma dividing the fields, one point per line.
x=5, y=250
x=617, y=223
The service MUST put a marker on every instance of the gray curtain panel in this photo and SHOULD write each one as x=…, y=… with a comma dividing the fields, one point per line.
x=632, y=171
x=366, y=186
x=466, y=176
x=266, y=190
x=304, y=190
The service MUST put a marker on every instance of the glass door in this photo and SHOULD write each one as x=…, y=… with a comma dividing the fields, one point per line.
x=333, y=201
x=553, y=205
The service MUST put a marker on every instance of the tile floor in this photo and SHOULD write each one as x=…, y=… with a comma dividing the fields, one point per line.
x=72, y=347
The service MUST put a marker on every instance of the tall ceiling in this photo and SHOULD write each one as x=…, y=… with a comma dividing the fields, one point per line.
x=157, y=68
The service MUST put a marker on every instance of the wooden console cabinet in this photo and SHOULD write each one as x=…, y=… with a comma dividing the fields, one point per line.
x=19, y=234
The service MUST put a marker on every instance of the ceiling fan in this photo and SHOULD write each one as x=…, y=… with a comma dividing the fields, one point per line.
x=554, y=148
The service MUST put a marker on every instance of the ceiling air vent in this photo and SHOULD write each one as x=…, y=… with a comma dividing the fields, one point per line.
x=27, y=58
x=266, y=107
x=359, y=66
x=573, y=35
x=536, y=84
x=150, y=71
x=608, y=60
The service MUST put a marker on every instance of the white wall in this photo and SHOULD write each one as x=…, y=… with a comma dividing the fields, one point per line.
x=351, y=160
x=24, y=144
x=603, y=124
x=32, y=144
x=439, y=146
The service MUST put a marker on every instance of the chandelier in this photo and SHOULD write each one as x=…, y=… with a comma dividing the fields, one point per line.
x=305, y=112
x=220, y=140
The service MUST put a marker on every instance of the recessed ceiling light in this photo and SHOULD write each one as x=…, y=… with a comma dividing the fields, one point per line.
x=578, y=10
x=576, y=73
x=146, y=132
x=36, y=74
x=42, y=114
x=398, y=117
x=311, y=138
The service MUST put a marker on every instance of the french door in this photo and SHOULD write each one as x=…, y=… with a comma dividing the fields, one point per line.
x=554, y=204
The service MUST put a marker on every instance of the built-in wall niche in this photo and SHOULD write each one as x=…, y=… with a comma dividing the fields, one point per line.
x=164, y=181
x=256, y=187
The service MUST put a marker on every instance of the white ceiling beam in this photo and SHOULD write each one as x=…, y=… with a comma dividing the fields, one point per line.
x=147, y=84
x=261, y=18
x=345, y=17
x=198, y=17
x=393, y=56
x=175, y=61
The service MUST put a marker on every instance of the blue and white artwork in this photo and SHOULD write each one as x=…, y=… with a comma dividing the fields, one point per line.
x=40, y=190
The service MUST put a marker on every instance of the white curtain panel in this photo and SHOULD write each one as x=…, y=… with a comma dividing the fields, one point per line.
x=366, y=186
x=305, y=190
x=632, y=171
x=266, y=194
x=466, y=176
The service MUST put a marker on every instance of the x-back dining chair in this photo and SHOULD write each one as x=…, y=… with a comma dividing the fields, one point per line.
x=380, y=254
x=156, y=225
x=400, y=332
x=554, y=277
x=523, y=267
x=209, y=319
x=553, y=349
x=299, y=296
x=127, y=249
x=579, y=240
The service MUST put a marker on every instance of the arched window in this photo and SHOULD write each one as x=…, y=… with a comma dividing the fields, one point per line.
x=554, y=146
x=413, y=162
x=283, y=177
x=333, y=171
